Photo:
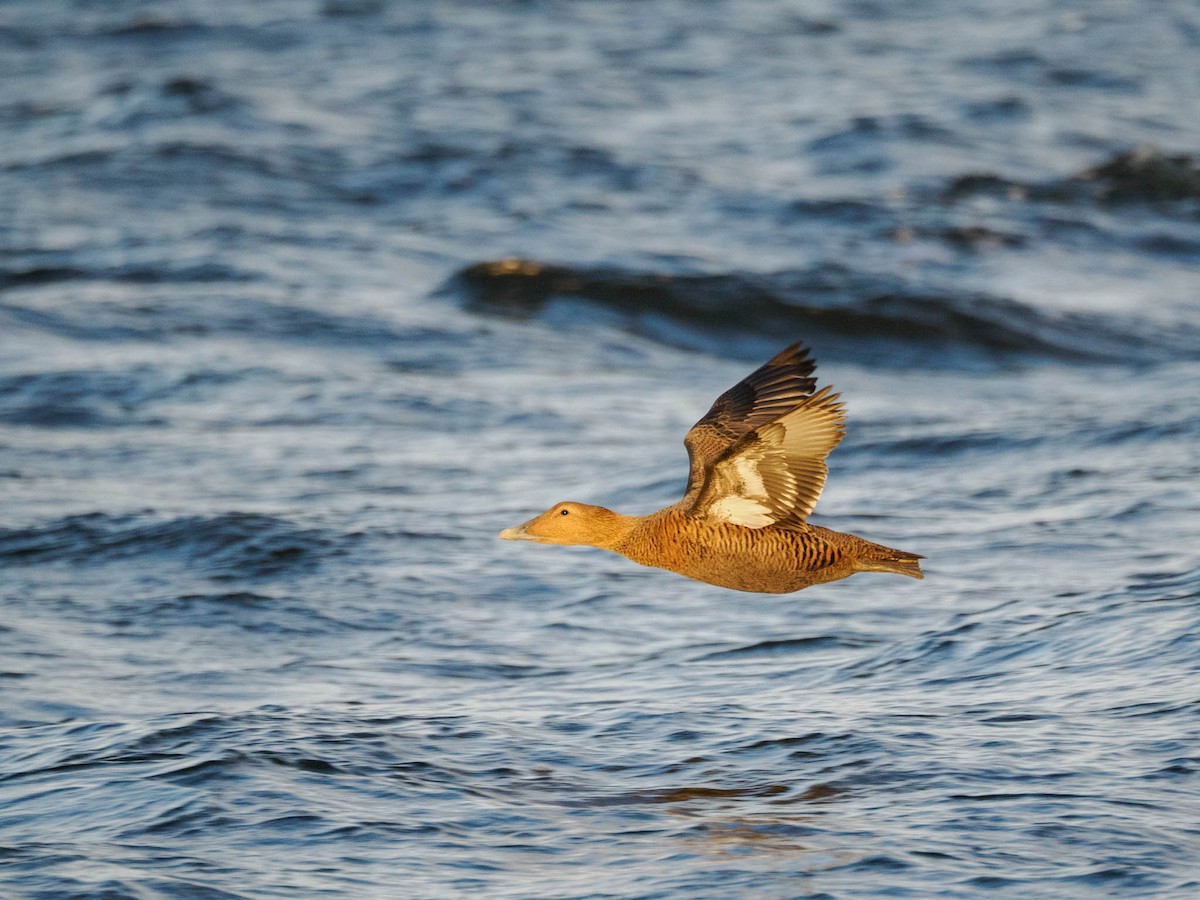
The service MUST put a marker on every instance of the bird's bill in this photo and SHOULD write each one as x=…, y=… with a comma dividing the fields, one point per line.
x=520, y=533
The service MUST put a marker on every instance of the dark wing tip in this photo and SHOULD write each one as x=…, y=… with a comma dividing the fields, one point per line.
x=791, y=354
x=795, y=360
x=766, y=393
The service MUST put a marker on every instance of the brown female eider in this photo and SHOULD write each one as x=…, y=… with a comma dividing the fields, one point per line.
x=757, y=469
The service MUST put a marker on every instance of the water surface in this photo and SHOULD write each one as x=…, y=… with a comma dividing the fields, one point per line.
x=300, y=304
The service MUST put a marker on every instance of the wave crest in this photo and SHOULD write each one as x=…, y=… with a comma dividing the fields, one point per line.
x=875, y=318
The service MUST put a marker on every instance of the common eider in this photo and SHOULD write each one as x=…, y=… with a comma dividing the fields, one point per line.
x=757, y=468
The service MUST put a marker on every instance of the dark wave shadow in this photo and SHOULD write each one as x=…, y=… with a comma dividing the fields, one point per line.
x=875, y=319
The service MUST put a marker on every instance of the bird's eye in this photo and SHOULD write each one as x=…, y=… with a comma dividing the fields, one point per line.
x=565, y=512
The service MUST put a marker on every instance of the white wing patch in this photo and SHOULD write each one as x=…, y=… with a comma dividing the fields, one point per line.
x=746, y=468
x=748, y=503
x=742, y=511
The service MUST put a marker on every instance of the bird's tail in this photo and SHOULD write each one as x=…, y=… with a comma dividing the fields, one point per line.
x=884, y=559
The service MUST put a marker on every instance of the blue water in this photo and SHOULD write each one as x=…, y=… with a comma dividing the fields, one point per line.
x=301, y=303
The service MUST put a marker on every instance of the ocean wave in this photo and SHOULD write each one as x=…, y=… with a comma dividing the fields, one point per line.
x=875, y=318
x=795, y=646
x=159, y=318
x=203, y=273
x=230, y=546
x=84, y=398
x=1144, y=174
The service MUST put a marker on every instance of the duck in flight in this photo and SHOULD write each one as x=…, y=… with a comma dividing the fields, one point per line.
x=757, y=468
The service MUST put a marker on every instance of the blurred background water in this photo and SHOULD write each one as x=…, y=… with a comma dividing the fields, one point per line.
x=302, y=302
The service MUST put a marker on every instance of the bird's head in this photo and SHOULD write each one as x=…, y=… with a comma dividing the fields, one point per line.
x=568, y=523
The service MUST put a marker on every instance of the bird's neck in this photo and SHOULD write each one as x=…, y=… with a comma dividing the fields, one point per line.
x=611, y=529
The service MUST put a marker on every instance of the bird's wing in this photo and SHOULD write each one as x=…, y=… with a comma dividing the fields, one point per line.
x=774, y=473
x=764, y=395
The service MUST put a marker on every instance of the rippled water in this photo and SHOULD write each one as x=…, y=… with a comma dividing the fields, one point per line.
x=301, y=303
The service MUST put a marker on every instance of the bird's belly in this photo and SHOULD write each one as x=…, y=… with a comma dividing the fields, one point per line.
x=742, y=559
